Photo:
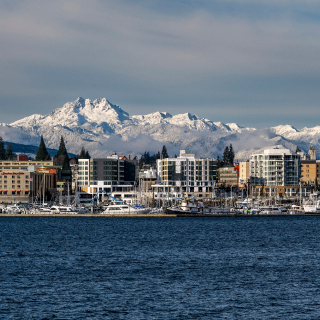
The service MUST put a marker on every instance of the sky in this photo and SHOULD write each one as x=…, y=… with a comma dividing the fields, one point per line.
x=252, y=62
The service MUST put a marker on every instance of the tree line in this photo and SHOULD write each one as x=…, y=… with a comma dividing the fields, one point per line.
x=6, y=153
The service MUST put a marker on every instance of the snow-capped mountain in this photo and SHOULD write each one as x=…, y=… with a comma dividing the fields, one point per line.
x=103, y=128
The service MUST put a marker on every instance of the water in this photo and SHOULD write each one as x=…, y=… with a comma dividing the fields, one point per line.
x=160, y=268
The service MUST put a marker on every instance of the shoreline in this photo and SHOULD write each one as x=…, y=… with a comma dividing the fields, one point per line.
x=161, y=215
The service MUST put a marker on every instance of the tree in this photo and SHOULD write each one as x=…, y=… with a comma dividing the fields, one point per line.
x=164, y=152
x=158, y=155
x=175, y=156
x=42, y=153
x=226, y=155
x=61, y=158
x=48, y=157
x=65, y=164
x=87, y=155
x=3, y=155
x=231, y=154
x=82, y=153
x=62, y=148
x=298, y=149
x=9, y=152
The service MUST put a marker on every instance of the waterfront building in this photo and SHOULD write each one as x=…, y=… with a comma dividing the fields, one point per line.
x=308, y=172
x=112, y=174
x=147, y=178
x=244, y=173
x=275, y=167
x=229, y=176
x=185, y=175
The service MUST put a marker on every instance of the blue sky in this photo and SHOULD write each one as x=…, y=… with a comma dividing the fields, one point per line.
x=255, y=63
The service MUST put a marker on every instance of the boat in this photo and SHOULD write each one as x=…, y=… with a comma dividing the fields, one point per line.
x=312, y=205
x=197, y=207
x=270, y=210
x=125, y=209
x=63, y=210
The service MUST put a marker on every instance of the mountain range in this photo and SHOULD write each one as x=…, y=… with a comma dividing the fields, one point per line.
x=104, y=128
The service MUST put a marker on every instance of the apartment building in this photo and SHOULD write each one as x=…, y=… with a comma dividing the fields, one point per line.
x=308, y=171
x=275, y=167
x=185, y=174
x=229, y=176
x=107, y=174
x=244, y=173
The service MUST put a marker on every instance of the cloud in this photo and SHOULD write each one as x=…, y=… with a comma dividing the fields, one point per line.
x=135, y=145
x=146, y=54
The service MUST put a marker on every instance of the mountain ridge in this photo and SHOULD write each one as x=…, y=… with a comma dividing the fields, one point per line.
x=103, y=127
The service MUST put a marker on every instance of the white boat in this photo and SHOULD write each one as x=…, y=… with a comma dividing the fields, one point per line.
x=125, y=209
x=270, y=210
x=312, y=205
x=63, y=210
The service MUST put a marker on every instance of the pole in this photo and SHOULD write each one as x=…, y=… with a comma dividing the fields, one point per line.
x=44, y=186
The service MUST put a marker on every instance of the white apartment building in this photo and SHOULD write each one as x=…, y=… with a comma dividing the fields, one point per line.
x=275, y=167
x=184, y=174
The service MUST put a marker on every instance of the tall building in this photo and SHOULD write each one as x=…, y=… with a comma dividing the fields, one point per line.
x=308, y=171
x=105, y=174
x=185, y=174
x=275, y=167
x=244, y=173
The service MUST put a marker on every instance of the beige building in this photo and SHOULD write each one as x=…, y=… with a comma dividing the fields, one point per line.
x=229, y=176
x=17, y=179
x=22, y=165
x=244, y=173
x=308, y=171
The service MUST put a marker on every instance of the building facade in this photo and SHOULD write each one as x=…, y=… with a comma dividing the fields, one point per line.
x=107, y=174
x=275, y=167
x=244, y=173
x=229, y=176
x=308, y=172
x=185, y=174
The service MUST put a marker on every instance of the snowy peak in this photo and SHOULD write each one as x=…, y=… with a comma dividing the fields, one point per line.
x=284, y=129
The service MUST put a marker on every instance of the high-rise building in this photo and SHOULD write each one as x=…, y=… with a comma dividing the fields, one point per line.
x=275, y=167
x=186, y=174
x=105, y=174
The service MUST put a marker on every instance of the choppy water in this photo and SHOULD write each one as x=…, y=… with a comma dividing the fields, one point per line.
x=160, y=268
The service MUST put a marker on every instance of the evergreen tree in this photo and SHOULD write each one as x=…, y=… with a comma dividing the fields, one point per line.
x=3, y=155
x=231, y=154
x=9, y=152
x=42, y=152
x=226, y=155
x=62, y=158
x=158, y=155
x=82, y=154
x=298, y=149
x=62, y=148
x=175, y=156
x=164, y=152
x=87, y=155
x=48, y=157
x=66, y=165
x=219, y=163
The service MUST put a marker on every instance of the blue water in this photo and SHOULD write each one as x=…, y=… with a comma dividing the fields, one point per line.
x=160, y=268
